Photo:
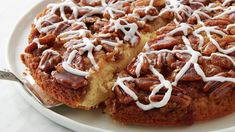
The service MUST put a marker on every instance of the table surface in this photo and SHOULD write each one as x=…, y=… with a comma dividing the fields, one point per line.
x=16, y=114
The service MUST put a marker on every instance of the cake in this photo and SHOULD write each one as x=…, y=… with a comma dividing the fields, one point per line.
x=146, y=62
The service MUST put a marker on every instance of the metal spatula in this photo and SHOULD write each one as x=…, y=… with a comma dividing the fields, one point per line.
x=31, y=88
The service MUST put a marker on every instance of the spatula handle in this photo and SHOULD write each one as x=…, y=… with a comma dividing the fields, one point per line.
x=7, y=75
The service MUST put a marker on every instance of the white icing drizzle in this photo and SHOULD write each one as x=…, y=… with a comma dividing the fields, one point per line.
x=228, y=10
x=139, y=63
x=112, y=6
x=67, y=65
x=181, y=27
x=86, y=45
x=214, y=78
x=226, y=56
x=38, y=24
x=92, y=11
x=89, y=46
x=72, y=55
x=212, y=7
x=73, y=42
x=176, y=7
x=146, y=9
x=193, y=61
x=72, y=34
x=51, y=51
x=74, y=71
x=164, y=83
x=36, y=40
x=208, y=31
x=120, y=82
x=165, y=40
x=112, y=43
x=230, y=26
x=101, y=35
x=197, y=14
x=196, y=3
x=61, y=6
x=130, y=30
x=226, y=2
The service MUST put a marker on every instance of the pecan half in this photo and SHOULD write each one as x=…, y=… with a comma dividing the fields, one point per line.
x=230, y=46
x=122, y=97
x=175, y=91
x=90, y=20
x=210, y=86
x=146, y=3
x=208, y=49
x=190, y=75
x=222, y=90
x=232, y=30
x=78, y=61
x=183, y=56
x=168, y=15
x=31, y=47
x=53, y=19
x=178, y=91
x=76, y=27
x=163, y=43
x=221, y=61
x=90, y=2
x=217, y=89
x=226, y=40
x=232, y=17
x=49, y=61
x=165, y=61
x=221, y=22
x=112, y=56
x=145, y=83
x=60, y=28
x=181, y=101
x=47, y=40
x=131, y=68
x=194, y=41
x=69, y=80
x=143, y=13
x=211, y=70
x=99, y=25
x=106, y=15
x=166, y=29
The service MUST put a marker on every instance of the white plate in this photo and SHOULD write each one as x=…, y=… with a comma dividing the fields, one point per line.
x=76, y=119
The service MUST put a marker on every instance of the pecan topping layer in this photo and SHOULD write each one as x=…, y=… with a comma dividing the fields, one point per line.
x=198, y=46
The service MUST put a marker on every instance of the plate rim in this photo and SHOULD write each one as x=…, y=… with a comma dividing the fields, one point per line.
x=49, y=114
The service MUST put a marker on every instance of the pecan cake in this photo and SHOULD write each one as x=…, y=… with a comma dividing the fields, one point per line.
x=143, y=61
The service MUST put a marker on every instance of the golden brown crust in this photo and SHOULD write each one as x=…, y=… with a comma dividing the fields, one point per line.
x=201, y=108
